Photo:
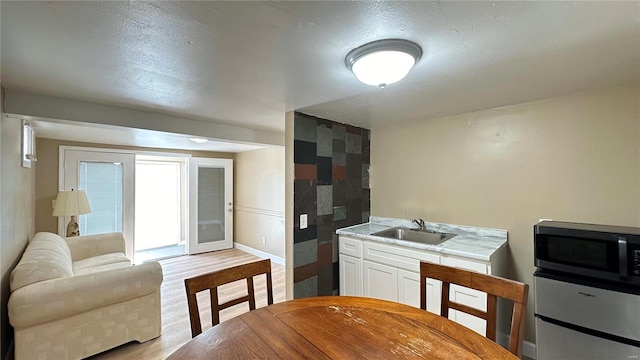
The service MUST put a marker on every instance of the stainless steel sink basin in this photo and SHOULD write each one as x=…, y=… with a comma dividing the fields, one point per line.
x=415, y=235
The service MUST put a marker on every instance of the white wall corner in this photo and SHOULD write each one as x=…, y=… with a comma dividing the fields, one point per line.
x=528, y=348
x=259, y=253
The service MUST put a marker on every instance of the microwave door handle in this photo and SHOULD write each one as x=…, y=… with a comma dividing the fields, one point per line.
x=622, y=258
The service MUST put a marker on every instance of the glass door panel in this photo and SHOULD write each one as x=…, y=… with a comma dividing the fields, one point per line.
x=210, y=205
x=211, y=210
x=103, y=183
x=108, y=179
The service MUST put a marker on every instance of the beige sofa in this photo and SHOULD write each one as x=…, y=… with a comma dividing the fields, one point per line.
x=78, y=297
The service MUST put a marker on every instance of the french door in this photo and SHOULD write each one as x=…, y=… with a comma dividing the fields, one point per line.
x=210, y=204
x=108, y=179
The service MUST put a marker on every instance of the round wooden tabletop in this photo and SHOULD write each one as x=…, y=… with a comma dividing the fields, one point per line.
x=340, y=327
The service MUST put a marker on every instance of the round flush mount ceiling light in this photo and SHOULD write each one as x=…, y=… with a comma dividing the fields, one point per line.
x=383, y=62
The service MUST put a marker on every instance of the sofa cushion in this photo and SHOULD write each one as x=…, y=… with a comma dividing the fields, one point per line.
x=99, y=260
x=47, y=257
x=95, y=269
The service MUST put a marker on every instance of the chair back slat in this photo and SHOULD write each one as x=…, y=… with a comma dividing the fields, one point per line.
x=494, y=286
x=213, y=280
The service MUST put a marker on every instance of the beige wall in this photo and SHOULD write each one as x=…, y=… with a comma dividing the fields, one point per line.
x=46, y=187
x=259, y=200
x=574, y=158
x=17, y=212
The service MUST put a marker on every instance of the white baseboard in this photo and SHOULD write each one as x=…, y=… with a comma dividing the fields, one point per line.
x=259, y=253
x=528, y=348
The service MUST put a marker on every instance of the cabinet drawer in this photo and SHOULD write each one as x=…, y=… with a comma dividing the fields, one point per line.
x=400, y=257
x=480, y=267
x=351, y=247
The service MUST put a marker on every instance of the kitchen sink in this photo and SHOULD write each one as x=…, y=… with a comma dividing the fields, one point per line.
x=415, y=235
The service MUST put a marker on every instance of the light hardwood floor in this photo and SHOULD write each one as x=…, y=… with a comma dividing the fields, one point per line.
x=176, y=328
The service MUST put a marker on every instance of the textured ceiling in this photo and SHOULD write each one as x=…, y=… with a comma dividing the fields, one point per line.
x=247, y=63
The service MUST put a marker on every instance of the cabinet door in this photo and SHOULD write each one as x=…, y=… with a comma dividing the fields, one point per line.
x=409, y=291
x=380, y=281
x=350, y=275
x=409, y=288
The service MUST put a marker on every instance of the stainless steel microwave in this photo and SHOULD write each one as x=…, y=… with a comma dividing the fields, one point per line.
x=597, y=251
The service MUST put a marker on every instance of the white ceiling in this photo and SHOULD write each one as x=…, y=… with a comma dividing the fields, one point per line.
x=247, y=63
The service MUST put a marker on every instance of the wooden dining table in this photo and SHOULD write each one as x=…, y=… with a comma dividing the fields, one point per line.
x=340, y=327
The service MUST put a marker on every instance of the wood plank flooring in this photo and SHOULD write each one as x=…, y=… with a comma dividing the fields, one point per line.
x=175, y=315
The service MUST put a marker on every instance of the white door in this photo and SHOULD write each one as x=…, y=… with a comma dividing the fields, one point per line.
x=210, y=205
x=108, y=179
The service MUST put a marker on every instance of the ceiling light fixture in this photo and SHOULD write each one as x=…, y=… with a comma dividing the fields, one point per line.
x=198, y=140
x=383, y=62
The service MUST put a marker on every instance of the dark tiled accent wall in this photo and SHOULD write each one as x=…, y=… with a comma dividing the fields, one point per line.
x=331, y=186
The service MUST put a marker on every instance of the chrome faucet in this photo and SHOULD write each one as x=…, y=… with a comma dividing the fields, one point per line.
x=421, y=224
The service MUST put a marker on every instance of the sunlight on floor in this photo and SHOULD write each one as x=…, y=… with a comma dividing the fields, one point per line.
x=159, y=253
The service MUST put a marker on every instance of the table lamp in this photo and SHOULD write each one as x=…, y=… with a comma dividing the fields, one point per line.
x=71, y=203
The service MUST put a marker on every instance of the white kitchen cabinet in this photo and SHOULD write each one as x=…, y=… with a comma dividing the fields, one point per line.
x=380, y=281
x=388, y=272
x=392, y=272
x=350, y=275
x=350, y=266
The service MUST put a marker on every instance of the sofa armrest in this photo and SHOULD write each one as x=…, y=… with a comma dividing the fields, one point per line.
x=82, y=247
x=59, y=298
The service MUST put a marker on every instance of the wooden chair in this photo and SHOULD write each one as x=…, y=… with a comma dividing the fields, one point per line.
x=213, y=280
x=492, y=285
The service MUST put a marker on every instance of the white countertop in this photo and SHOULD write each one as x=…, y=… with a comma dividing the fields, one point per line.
x=471, y=242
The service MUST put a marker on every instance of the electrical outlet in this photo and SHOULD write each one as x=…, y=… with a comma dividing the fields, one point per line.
x=264, y=239
x=303, y=221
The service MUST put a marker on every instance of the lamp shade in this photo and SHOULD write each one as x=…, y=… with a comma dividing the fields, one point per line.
x=383, y=62
x=71, y=203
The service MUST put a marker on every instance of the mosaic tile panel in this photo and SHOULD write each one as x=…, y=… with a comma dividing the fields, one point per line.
x=306, y=128
x=331, y=186
x=325, y=141
x=300, y=235
x=354, y=143
x=305, y=200
x=303, y=253
x=325, y=279
x=324, y=254
x=339, y=213
x=339, y=132
x=325, y=200
x=306, y=288
x=339, y=192
x=338, y=172
x=304, y=152
x=325, y=228
x=324, y=173
x=306, y=172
